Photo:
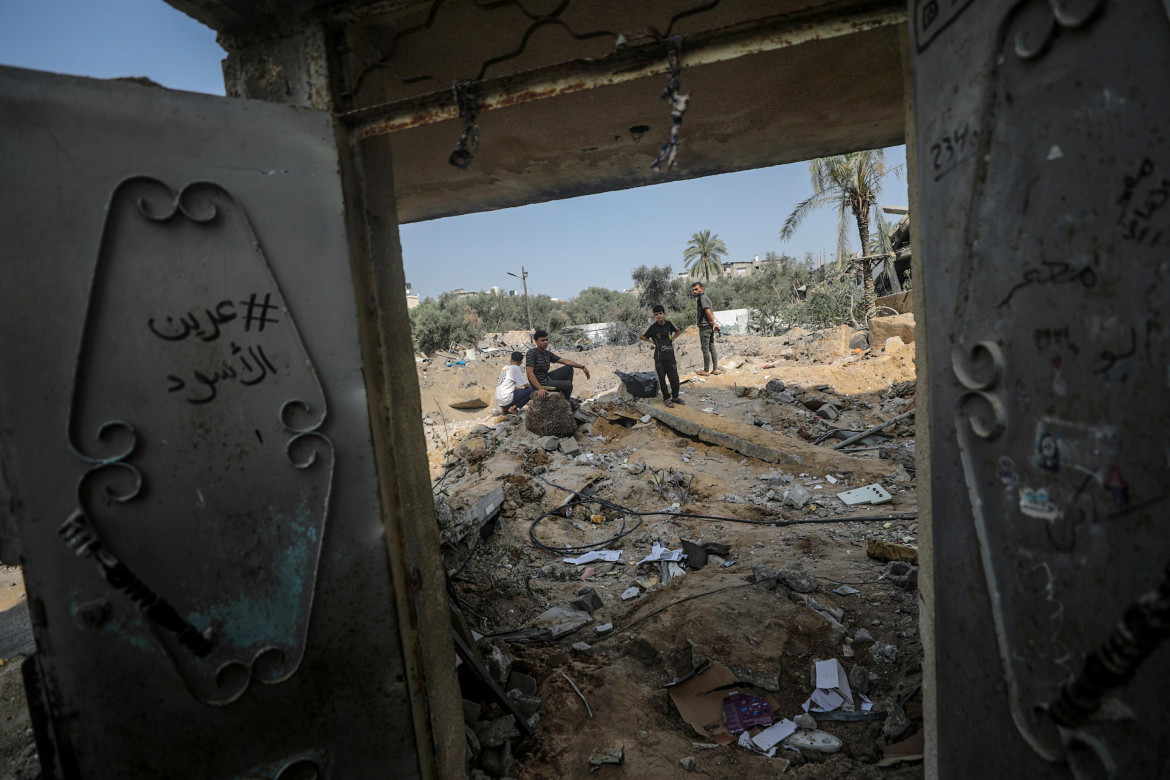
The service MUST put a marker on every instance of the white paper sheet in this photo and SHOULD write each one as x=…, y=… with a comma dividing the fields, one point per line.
x=826, y=701
x=609, y=556
x=660, y=553
x=771, y=736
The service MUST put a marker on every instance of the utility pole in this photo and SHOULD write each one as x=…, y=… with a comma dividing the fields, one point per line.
x=524, y=281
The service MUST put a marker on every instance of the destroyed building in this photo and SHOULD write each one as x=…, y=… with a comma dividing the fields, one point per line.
x=215, y=461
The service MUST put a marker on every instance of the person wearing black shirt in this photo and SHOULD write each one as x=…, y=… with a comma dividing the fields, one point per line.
x=661, y=334
x=708, y=327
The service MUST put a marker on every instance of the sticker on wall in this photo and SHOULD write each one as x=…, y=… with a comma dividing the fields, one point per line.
x=1005, y=469
x=1062, y=445
x=1034, y=503
x=1047, y=451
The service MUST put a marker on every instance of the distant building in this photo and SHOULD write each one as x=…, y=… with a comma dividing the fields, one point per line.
x=459, y=292
x=744, y=268
x=496, y=290
x=411, y=297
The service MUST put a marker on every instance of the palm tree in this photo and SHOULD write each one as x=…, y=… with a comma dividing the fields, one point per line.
x=852, y=183
x=704, y=254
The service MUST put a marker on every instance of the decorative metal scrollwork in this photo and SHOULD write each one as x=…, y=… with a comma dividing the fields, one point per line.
x=983, y=409
x=1034, y=24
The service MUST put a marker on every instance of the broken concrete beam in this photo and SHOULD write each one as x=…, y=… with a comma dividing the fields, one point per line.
x=768, y=446
x=473, y=519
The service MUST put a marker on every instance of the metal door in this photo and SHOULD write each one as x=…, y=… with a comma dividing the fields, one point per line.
x=1044, y=198
x=186, y=440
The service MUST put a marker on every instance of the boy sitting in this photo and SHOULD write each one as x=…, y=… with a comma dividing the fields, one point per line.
x=662, y=334
x=512, y=388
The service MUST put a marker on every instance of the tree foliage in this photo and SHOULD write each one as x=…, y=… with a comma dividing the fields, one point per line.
x=704, y=255
x=851, y=183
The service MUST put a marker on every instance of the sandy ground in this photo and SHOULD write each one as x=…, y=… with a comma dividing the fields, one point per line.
x=728, y=611
x=505, y=579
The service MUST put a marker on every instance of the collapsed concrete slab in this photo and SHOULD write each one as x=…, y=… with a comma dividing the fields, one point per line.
x=758, y=443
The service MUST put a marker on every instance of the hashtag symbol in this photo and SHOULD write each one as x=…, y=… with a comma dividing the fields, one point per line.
x=261, y=319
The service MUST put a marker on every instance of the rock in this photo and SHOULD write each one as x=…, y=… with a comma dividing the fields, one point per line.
x=742, y=391
x=765, y=575
x=828, y=412
x=797, y=496
x=473, y=744
x=605, y=628
x=518, y=681
x=805, y=721
x=896, y=722
x=479, y=430
x=569, y=446
x=797, y=578
x=859, y=340
x=560, y=621
x=884, y=652
x=613, y=757
x=882, y=328
x=630, y=593
x=473, y=450
x=528, y=704
x=499, y=664
x=497, y=761
x=888, y=551
x=583, y=647
x=769, y=681
x=551, y=443
x=774, y=387
x=901, y=574
x=587, y=601
x=687, y=763
x=550, y=416
x=493, y=733
x=862, y=637
x=859, y=679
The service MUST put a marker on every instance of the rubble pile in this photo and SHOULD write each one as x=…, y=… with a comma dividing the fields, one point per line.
x=646, y=550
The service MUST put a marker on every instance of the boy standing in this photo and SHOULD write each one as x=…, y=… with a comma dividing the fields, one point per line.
x=512, y=388
x=661, y=334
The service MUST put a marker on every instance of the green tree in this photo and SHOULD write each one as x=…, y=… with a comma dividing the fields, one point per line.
x=652, y=283
x=704, y=254
x=852, y=183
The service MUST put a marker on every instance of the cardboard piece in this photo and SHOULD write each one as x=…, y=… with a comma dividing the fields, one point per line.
x=699, y=700
x=911, y=749
x=832, y=688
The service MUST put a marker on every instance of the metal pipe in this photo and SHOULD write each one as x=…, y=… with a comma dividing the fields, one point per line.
x=626, y=64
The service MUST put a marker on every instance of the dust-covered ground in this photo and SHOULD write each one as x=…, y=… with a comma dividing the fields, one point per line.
x=831, y=600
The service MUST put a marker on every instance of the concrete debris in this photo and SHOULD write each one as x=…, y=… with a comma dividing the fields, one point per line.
x=498, y=761
x=604, y=628
x=551, y=443
x=559, y=621
x=797, y=578
x=889, y=551
x=473, y=744
x=828, y=412
x=493, y=733
x=896, y=722
x=859, y=340
x=479, y=430
x=569, y=446
x=774, y=388
x=859, y=678
x=797, y=496
x=805, y=721
x=901, y=326
x=687, y=763
x=518, y=681
x=600, y=759
x=498, y=663
x=630, y=593
x=587, y=600
x=527, y=704
x=863, y=637
x=471, y=711
x=582, y=647
x=884, y=652
x=901, y=573
x=764, y=575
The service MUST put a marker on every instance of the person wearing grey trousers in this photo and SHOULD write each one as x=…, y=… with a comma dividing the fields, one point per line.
x=708, y=327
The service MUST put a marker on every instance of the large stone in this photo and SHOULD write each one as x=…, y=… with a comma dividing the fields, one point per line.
x=882, y=328
x=569, y=446
x=587, y=600
x=473, y=449
x=858, y=340
x=550, y=416
x=493, y=733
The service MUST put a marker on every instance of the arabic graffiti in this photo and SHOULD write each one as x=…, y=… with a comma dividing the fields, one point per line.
x=223, y=314
x=1136, y=215
x=202, y=385
x=1053, y=272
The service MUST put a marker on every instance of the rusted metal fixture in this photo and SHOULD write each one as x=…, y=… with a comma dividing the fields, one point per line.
x=624, y=65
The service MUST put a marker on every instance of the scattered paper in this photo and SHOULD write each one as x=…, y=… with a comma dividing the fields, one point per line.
x=870, y=494
x=832, y=688
x=699, y=699
x=610, y=556
x=747, y=743
x=660, y=553
x=866, y=704
x=825, y=701
x=771, y=736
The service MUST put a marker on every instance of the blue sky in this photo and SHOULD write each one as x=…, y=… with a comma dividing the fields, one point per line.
x=565, y=245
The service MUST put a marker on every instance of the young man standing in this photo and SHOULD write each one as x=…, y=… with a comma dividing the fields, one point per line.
x=661, y=334
x=707, y=330
x=537, y=362
x=512, y=388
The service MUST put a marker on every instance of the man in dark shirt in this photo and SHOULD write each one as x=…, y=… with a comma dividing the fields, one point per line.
x=661, y=334
x=707, y=330
x=536, y=365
